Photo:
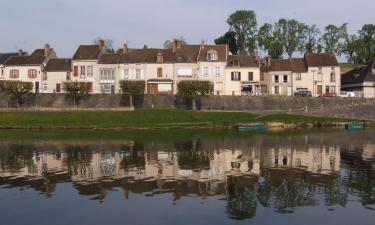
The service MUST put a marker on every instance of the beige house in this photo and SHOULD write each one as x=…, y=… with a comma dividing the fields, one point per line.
x=30, y=68
x=242, y=76
x=57, y=71
x=361, y=80
x=317, y=73
x=4, y=57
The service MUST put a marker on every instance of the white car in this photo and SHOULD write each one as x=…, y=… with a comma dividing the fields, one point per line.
x=347, y=94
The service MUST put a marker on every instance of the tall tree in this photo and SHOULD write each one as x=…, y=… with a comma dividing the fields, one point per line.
x=367, y=33
x=291, y=34
x=312, y=33
x=268, y=42
x=230, y=39
x=244, y=24
x=332, y=38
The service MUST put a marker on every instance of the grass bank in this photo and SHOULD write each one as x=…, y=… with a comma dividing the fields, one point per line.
x=144, y=119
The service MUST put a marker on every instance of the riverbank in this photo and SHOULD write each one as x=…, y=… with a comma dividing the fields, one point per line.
x=153, y=119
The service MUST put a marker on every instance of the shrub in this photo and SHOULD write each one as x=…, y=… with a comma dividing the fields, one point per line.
x=132, y=88
x=194, y=89
x=77, y=90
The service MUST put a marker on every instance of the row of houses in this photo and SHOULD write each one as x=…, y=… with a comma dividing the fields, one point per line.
x=162, y=69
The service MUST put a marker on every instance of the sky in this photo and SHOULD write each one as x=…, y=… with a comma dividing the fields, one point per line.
x=65, y=24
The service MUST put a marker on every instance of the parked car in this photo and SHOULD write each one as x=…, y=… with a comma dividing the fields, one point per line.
x=328, y=95
x=303, y=94
x=348, y=94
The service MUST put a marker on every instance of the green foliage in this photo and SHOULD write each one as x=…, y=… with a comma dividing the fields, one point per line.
x=17, y=89
x=244, y=25
x=367, y=34
x=76, y=90
x=312, y=39
x=291, y=34
x=230, y=39
x=194, y=88
x=332, y=38
x=132, y=87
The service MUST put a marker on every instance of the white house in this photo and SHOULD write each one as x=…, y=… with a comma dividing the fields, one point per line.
x=57, y=71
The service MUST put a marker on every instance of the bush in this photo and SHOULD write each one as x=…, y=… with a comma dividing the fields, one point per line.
x=193, y=89
x=132, y=88
x=77, y=90
x=17, y=89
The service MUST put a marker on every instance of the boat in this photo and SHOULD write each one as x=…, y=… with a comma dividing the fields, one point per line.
x=252, y=127
x=355, y=126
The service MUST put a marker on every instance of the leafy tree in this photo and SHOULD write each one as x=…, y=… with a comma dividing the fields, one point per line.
x=193, y=89
x=291, y=34
x=108, y=43
x=230, y=39
x=367, y=33
x=312, y=33
x=332, y=38
x=17, y=89
x=268, y=42
x=168, y=44
x=244, y=25
x=132, y=88
x=77, y=90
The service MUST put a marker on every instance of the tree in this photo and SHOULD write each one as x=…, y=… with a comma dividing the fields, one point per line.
x=168, y=44
x=132, y=88
x=312, y=40
x=332, y=38
x=108, y=43
x=193, y=89
x=244, y=25
x=367, y=33
x=77, y=90
x=17, y=89
x=228, y=38
x=291, y=34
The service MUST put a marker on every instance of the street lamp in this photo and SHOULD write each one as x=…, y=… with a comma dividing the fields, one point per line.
x=313, y=71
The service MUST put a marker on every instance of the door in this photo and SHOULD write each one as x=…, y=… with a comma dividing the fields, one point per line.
x=160, y=72
x=319, y=89
x=75, y=72
x=36, y=87
x=89, y=87
x=58, y=88
x=112, y=89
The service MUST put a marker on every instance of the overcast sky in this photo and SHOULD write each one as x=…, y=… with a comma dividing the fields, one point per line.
x=65, y=24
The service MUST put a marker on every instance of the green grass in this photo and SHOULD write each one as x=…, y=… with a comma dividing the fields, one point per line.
x=142, y=118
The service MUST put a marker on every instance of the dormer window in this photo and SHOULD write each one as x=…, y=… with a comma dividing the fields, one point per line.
x=160, y=58
x=212, y=55
x=234, y=63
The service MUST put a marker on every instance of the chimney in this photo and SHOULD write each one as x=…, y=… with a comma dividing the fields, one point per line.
x=174, y=45
x=202, y=44
x=47, y=50
x=125, y=49
x=101, y=44
x=20, y=52
x=267, y=60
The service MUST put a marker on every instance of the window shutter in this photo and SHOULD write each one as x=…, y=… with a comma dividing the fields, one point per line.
x=239, y=76
x=75, y=72
x=232, y=75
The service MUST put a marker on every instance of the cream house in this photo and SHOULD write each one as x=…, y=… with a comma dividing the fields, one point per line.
x=242, y=76
x=4, y=57
x=30, y=68
x=85, y=65
x=317, y=73
x=361, y=80
x=57, y=71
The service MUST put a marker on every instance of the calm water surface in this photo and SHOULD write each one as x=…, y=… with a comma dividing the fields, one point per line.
x=314, y=177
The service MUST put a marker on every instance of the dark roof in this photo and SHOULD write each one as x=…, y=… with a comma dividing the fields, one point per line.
x=59, y=65
x=87, y=52
x=36, y=58
x=321, y=59
x=359, y=75
x=280, y=65
x=147, y=56
x=187, y=53
x=299, y=65
x=242, y=61
x=112, y=58
x=222, y=51
x=4, y=57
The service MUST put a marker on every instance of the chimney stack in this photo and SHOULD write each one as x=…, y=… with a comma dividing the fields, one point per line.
x=101, y=44
x=267, y=60
x=125, y=49
x=20, y=52
x=202, y=44
x=174, y=45
x=47, y=50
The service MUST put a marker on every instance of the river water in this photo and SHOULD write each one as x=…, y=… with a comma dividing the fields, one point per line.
x=188, y=177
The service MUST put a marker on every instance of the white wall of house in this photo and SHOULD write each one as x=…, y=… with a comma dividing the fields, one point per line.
x=279, y=83
x=85, y=76
x=213, y=72
x=109, y=77
x=184, y=71
x=55, y=79
x=23, y=75
x=233, y=87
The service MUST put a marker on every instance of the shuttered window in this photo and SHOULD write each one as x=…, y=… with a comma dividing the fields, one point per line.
x=251, y=76
x=236, y=76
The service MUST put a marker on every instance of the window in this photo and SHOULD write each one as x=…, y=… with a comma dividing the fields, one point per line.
x=14, y=74
x=138, y=74
x=212, y=55
x=327, y=89
x=83, y=71
x=90, y=71
x=236, y=76
x=126, y=74
x=107, y=74
x=58, y=88
x=32, y=73
x=68, y=75
x=333, y=89
x=75, y=71
x=2, y=73
x=205, y=71
x=251, y=76
x=276, y=80
x=333, y=77
x=320, y=70
x=44, y=87
x=298, y=76
x=160, y=72
x=333, y=68
x=181, y=72
x=105, y=88
x=217, y=70
x=285, y=79
x=276, y=90
x=262, y=76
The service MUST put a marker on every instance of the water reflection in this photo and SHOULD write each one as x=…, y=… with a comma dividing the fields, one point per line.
x=278, y=172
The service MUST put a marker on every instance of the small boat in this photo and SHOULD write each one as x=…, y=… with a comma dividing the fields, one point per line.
x=355, y=126
x=251, y=127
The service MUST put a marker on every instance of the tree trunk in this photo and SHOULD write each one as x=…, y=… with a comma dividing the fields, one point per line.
x=131, y=101
x=194, y=104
